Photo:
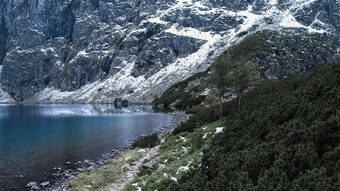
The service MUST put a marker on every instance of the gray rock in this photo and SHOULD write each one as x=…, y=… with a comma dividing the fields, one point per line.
x=75, y=173
x=151, y=163
x=30, y=184
x=44, y=184
x=288, y=54
x=71, y=177
x=57, y=169
x=80, y=169
x=100, y=163
x=90, y=168
x=34, y=187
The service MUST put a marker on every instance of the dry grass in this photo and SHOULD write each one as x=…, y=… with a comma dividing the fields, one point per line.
x=114, y=175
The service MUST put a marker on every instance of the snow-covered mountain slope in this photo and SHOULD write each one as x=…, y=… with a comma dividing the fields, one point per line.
x=5, y=98
x=97, y=50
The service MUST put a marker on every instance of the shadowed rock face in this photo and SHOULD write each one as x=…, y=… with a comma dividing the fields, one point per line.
x=3, y=37
x=68, y=44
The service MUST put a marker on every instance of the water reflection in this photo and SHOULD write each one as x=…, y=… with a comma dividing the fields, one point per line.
x=67, y=110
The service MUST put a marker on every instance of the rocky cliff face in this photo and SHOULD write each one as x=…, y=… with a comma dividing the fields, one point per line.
x=96, y=50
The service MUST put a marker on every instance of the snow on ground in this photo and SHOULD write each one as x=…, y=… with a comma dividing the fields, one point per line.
x=192, y=32
x=184, y=150
x=141, y=150
x=183, y=168
x=289, y=21
x=145, y=89
x=219, y=130
x=157, y=20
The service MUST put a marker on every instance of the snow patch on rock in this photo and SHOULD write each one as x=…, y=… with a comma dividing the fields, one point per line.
x=4, y=96
x=183, y=168
x=219, y=130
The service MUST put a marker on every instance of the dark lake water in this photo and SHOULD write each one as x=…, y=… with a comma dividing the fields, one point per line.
x=36, y=138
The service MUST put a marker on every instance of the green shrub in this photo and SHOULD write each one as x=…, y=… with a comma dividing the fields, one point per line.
x=285, y=136
x=148, y=141
x=182, y=92
x=196, y=141
x=202, y=116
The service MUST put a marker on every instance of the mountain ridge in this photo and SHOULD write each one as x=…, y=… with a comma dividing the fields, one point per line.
x=99, y=50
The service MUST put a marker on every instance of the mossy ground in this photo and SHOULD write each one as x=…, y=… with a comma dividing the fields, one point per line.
x=114, y=174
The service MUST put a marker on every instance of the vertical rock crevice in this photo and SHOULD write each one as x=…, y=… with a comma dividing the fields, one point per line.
x=3, y=39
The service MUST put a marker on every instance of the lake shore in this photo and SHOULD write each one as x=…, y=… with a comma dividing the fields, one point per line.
x=64, y=173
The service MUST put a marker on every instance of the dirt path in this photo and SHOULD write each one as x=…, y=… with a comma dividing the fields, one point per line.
x=133, y=169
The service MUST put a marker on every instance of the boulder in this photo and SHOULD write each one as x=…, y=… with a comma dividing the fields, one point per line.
x=151, y=163
x=45, y=184
x=30, y=184
x=35, y=187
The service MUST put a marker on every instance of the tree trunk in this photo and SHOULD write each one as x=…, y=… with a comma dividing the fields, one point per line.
x=239, y=101
x=221, y=105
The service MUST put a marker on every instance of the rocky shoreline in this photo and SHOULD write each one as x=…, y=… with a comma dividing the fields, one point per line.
x=58, y=180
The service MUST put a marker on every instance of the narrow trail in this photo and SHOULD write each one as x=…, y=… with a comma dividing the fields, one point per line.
x=133, y=169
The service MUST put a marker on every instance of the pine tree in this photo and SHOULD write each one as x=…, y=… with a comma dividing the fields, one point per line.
x=222, y=79
x=244, y=76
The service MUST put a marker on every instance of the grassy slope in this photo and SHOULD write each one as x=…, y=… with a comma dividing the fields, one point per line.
x=178, y=152
x=113, y=174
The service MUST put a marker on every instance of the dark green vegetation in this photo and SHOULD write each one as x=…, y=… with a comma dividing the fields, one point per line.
x=175, y=157
x=285, y=136
x=227, y=77
x=148, y=141
x=275, y=54
x=184, y=94
x=207, y=115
